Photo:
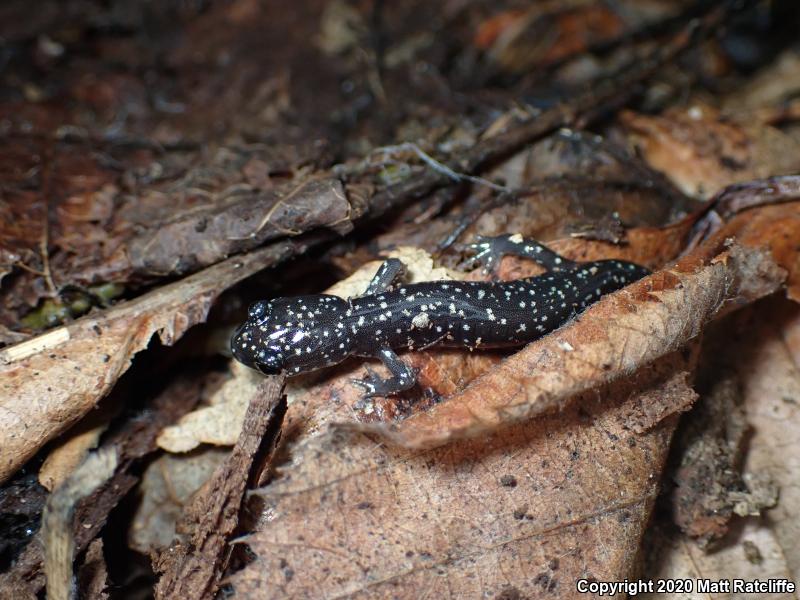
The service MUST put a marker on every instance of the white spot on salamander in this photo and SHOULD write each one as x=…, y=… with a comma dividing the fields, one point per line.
x=421, y=321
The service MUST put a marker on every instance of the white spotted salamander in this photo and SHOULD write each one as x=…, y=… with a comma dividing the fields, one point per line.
x=304, y=333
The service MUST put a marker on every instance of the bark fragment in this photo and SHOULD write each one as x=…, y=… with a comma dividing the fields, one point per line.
x=192, y=568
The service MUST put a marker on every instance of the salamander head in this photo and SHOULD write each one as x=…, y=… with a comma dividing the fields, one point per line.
x=292, y=335
x=248, y=342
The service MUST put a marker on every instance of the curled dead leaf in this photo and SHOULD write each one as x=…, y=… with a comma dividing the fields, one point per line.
x=623, y=331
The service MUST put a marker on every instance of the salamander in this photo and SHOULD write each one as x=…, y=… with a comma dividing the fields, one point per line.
x=304, y=333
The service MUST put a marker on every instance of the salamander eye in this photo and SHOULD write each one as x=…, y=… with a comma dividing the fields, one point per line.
x=258, y=310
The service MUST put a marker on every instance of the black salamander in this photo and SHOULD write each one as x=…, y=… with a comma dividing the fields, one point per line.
x=304, y=333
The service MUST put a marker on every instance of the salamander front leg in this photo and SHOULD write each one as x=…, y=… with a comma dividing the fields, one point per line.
x=388, y=273
x=403, y=377
x=489, y=251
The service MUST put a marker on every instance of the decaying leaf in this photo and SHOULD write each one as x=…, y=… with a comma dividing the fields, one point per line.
x=92, y=579
x=702, y=152
x=63, y=460
x=219, y=422
x=707, y=478
x=773, y=228
x=133, y=441
x=644, y=411
x=73, y=447
x=525, y=40
x=201, y=238
x=770, y=91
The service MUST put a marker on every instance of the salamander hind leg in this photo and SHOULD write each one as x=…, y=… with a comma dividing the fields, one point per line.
x=388, y=273
x=402, y=377
x=489, y=251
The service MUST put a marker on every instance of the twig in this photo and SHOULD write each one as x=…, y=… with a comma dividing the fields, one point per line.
x=44, y=239
x=24, y=267
x=443, y=168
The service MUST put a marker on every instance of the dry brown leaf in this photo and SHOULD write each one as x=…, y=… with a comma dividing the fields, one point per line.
x=525, y=511
x=202, y=237
x=702, y=152
x=133, y=441
x=546, y=33
x=776, y=229
x=219, y=422
x=770, y=88
x=49, y=382
x=643, y=412
x=70, y=449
